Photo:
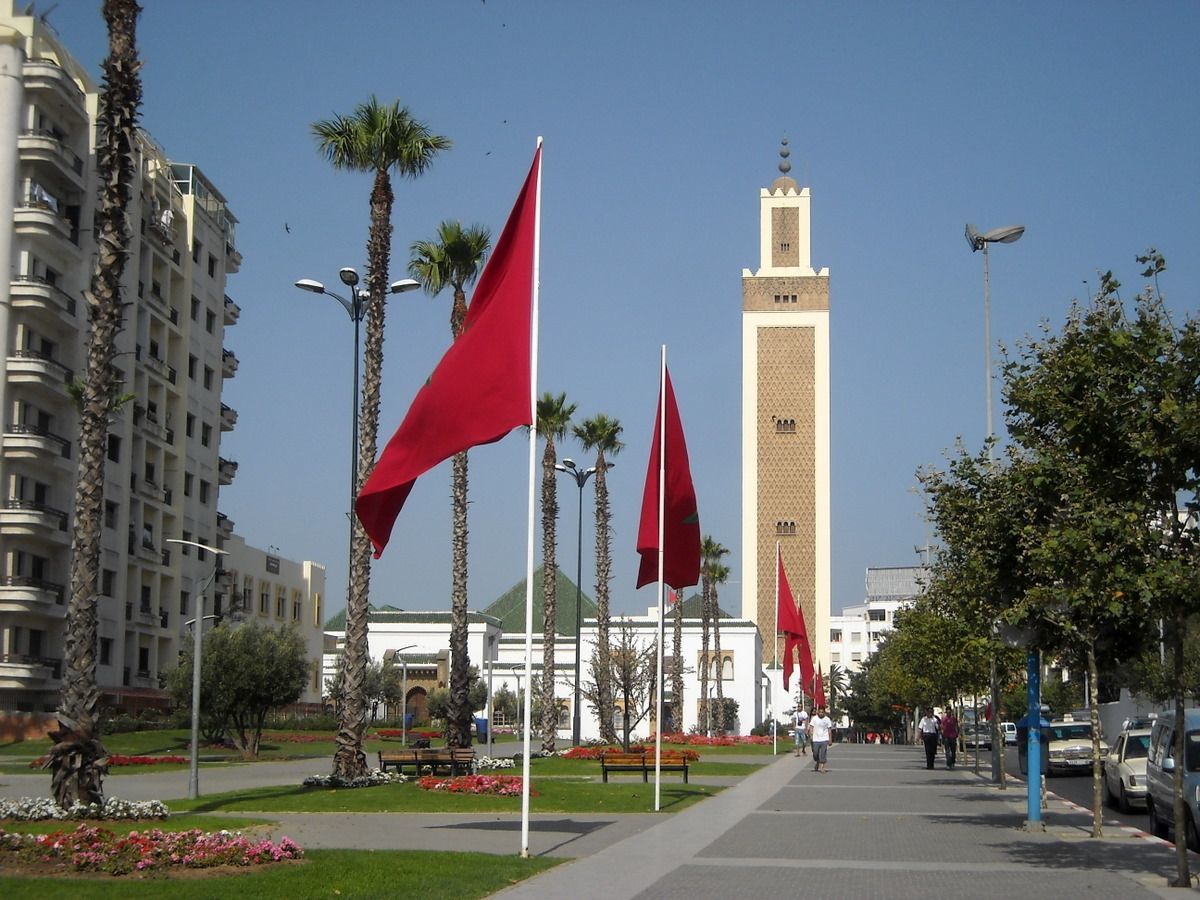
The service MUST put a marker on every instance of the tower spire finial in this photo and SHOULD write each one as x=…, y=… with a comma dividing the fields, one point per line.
x=784, y=153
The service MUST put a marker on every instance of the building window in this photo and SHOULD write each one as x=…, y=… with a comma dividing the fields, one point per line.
x=204, y=489
x=192, y=363
x=835, y=658
x=108, y=582
x=280, y=600
x=112, y=512
x=835, y=636
x=185, y=602
x=195, y=310
x=190, y=427
x=195, y=251
x=785, y=426
x=877, y=615
x=208, y=378
x=317, y=623
x=114, y=448
x=295, y=607
x=785, y=527
x=856, y=656
x=264, y=602
x=188, y=478
x=212, y=266
x=784, y=247
x=145, y=604
x=201, y=553
x=106, y=651
x=210, y=320
x=205, y=434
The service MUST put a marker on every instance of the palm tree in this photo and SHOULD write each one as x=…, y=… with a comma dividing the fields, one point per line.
x=677, y=668
x=78, y=758
x=713, y=573
x=455, y=260
x=835, y=681
x=553, y=418
x=603, y=435
x=378, y=139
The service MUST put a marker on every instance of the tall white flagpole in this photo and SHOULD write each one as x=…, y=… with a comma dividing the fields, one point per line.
x=775, y=653
x=662, y=502
x=533, y=369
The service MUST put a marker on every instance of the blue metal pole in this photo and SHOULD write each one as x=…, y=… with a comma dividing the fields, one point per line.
x=1033, y=820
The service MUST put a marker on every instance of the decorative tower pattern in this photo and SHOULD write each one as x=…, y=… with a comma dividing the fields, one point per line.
x=785, y=418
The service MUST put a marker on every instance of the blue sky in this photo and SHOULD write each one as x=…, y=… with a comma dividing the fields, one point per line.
x=662, y=121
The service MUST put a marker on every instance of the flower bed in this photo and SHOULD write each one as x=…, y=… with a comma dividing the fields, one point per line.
x=284, y=737
x=410, y=734
x=723, y=740
x=494, y=762
x=117, y=759
x=90, y=849
x=372, y=778
x=595, y=752
x=36, y=809
x=500, y=785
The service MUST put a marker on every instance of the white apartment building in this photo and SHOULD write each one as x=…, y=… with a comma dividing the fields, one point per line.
x=855, y=633
x=164, y=471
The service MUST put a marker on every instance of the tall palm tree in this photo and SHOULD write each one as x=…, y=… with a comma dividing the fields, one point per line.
x=713, y=573
x=553, y=419
x=78, y=758
x=455, y=260
x=677, y=668
x=379, y=139
x=603, y=435
x=836, y=682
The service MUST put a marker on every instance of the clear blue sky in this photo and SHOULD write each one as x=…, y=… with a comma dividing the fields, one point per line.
x=662, y=122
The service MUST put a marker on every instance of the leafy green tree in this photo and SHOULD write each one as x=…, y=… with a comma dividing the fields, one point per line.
x=603, y=434
x=379, y=139
x=76, y=759
x=553, y=418
x=504, y=703
x=454, y=260
x=245, y=672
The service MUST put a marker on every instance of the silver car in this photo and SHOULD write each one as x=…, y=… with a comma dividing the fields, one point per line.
x=1125, y=769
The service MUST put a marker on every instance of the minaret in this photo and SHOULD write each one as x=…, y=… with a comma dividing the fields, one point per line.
x=785, y=418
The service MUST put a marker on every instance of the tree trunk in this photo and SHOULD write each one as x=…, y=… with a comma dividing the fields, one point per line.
x=716, y=620
x=677, y=671
x=78, y=759
x=604, y=683
x=458, y=730
x=549, y=596
x=1183, y=876
x=1094, y=716
x=705, y=616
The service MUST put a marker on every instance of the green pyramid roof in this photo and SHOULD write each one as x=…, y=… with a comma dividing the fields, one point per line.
x=510, y=607
x=692, y=608
x=337, y=622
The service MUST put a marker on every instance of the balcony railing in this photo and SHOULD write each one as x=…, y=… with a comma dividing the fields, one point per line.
x=69, y=156
x=24, y=659
x=40, y=508
x=61, y=297
x=232, y=311
x=33, y=430
x=48, y=362
x=57, y=591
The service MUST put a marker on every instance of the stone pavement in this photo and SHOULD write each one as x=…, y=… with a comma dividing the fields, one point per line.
x=878, y=824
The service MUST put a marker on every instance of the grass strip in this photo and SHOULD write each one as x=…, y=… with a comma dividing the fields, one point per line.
x=185, y=822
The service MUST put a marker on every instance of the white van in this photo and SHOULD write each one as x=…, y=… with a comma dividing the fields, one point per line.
x=1160, y=776
x=1009, y=730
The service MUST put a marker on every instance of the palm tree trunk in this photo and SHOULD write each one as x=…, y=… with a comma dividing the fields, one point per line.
x=677, y=671
x=604, y=685
x=349, y=760
x=78, y=758
x=549, y=589
x=458, y=725
x=705, y=668
x=716, y=620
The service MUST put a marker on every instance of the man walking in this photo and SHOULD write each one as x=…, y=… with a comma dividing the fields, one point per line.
x=950, y=736
x=820, y=727
x=801, y=731
x=930, y=732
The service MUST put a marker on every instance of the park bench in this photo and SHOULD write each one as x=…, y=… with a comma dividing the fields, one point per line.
x=455, y=760
x=619, y=761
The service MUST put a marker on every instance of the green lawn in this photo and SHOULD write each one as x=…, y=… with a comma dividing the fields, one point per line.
x=553, y=795
x=324, y=874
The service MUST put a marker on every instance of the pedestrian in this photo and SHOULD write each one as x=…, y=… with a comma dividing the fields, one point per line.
x=801, y=731
x=820, y=727
x=928, y=726
x=950, y=736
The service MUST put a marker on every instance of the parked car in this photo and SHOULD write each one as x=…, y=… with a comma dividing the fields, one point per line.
x=1071, y=747
x=1009, y=730
x=977, y=736
x=1160, y=777
x=1125, y=769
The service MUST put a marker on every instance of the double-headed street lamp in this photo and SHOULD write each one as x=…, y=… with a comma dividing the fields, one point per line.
x=197, y=635
x=581, y=476
x=356, y=308
x=1007, y=235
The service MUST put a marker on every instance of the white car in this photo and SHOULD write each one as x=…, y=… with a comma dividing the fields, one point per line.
x=1125, y=769
x=1071, y=747
x=1009, y=730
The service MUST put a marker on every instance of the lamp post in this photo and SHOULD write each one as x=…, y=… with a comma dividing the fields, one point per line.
x=356, y=308
x=197, y=636
x=403, y=692
x=581, y=476
x=1007, y=235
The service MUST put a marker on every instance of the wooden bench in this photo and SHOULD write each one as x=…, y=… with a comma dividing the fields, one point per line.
x=455, y=760
x=619, y=761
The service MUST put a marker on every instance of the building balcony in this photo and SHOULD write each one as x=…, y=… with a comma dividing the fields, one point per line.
x=229, y=364
x=34, y=293
x=47, y=75
x=32, y=442
x=34, y=368
x=224, y=525
x=40, y=146
x=226, y=470
x=20, y=671
x=158, y=366
x=22, y=594
x=229, y=417
x=232, y=311
x=33, y=519
x=149, y=424
x=158, y=303
x=150, y=489
x=36, y=217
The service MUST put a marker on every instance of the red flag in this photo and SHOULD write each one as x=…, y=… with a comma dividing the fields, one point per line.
x=819, y=687
x=681, y=521
x=672, y=596
x=791, y=623
x=480, y=389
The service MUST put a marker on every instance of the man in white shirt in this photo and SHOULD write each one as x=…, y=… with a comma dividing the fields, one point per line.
x=801, y=731
x=820, y=727
x=931, y=733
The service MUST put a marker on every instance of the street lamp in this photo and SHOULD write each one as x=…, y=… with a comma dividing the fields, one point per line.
x=581, y=476
x=356, y=308
x=1007, y=235
x=403, y=692
x=197, y=633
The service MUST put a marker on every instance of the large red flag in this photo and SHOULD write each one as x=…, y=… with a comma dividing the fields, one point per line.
x=791, y=623
x=480, y=390
x=681, y=521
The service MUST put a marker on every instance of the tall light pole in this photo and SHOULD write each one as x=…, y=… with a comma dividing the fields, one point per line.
x=1007, y=235
x=197, y=635
x=581, y=476
x=356, y=308
x=403, y=692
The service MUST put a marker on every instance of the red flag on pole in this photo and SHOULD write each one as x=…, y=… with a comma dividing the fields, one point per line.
x=791, y=623
x=673, y=596
x=480, y=389
x=681, y=521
